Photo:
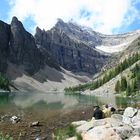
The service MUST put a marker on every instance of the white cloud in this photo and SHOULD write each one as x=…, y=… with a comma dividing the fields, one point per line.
x=105, y=15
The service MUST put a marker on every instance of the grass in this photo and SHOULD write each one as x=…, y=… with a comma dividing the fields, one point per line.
x=5, y=137
x=68, y=132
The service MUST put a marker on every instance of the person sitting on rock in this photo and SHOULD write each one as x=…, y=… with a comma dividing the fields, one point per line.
x=97, y=114
x=113, y=110
x=106, y=111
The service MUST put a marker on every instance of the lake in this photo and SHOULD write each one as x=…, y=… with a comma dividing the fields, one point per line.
x=53, y=110
x=54, y=100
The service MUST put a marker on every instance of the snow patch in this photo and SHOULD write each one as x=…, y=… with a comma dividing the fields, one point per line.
x=113, y=49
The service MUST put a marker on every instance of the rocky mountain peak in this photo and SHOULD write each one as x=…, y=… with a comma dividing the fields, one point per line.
x=15, y=20
x=60, y=23
x=16, y=25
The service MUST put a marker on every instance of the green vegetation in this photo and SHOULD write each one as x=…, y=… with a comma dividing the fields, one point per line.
x=108, y=75
x=6, y=137
x=131, y=85
x=4, y=83
x=70, y=131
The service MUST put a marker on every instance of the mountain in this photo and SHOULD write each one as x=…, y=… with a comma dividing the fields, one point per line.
x=17, y=46
x=28, y=65
x=79, y=48
x=94, y=39
x=67, y=54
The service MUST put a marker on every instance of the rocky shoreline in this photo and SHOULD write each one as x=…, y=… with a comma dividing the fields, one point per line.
x=35, y=125
x=117, y=127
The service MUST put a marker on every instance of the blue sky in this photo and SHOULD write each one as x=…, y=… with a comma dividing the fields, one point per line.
x=105, y=16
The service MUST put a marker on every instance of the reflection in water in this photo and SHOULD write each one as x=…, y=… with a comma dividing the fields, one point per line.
x=5, y=99
x=123, y=102
x=61, y=101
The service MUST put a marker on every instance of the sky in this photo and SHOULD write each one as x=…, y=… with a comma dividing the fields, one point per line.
x=105, y=16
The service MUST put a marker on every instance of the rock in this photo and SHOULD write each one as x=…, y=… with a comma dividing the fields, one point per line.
x=118, y=117
x=136, y=118
x=104, y=132
x=124, y=132
x=135, y=138
x=38, y=138
x=111, y=121
x=77, y=123
x=129, y=113
x=14, y=119
x=34, y=124
x=84, y=127
x=136, y=130
x=72, y=138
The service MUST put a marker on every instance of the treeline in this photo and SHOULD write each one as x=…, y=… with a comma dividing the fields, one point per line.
x=107, y=76
x=4, y=83
x=129, y=86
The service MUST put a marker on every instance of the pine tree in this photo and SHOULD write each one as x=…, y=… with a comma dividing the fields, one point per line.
x=117, y=86
x=128, y=90
x=123, y=83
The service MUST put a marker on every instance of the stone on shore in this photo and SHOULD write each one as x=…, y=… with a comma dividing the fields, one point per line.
x=77, y=123
x=129, y=113
x=104, y=132
x=135, y=138
x=72, y=138
x=117, y=127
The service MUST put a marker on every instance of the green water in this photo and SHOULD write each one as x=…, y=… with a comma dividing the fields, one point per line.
x=60, y=101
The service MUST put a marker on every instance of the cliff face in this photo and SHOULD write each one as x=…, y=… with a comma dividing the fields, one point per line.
x=4, y=45
x=17, y=46
x=70, y=53
x=79, y=48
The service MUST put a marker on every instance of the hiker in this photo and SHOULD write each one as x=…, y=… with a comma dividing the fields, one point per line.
x=112, y=109
x=106, y=111
x=97, y=114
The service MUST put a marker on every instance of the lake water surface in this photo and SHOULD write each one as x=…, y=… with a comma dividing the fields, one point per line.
x=54, y=100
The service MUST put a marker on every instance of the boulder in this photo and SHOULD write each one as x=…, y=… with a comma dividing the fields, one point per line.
x=104, y=132
x=85, y=127
x=135, y=138
x=136, y=130
x=129, y=113
x=72, y=138
x=118, y=117
x=136, y=118
x=124, y=131
x=78, y=123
